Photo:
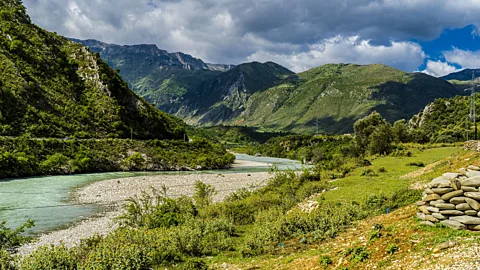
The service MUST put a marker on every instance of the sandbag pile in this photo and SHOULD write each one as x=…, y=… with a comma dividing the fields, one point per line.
x=453, y=200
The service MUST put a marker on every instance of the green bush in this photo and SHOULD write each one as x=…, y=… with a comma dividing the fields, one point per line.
x=51, y=258
x=203, y=194
x=12, y=239
x=325, y=261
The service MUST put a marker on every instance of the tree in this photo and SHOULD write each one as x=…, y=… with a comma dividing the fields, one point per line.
x=374, y=134
x=400, y=130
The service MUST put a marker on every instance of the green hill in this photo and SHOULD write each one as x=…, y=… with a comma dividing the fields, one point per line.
x=463, y=75
x=335, y=96
x=52, y=87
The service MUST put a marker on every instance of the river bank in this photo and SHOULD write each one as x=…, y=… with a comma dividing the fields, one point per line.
x=111, y=194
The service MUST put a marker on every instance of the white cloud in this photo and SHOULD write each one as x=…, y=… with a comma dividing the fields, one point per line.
x=466, y=59
x=439, y=68
x=403, y=55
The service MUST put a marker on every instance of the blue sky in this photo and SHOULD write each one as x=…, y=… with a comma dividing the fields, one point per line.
x=432, y=36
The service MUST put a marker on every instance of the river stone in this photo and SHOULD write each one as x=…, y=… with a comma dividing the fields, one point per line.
x=457, y=200
x=431, y=197
x=431, y=218
x=452, y=194
x=473, y=195
x=439, y=191
x=452, y=212
x=450, y=176
x=453, y=224
x=436, y=202
x=421, y=216
x=473, y=203
x=439, y=216
x=467, y=220
x=471, y=213
x=473, y=173
x=427, y=223
x=472, y=182
x=473, y=168
x=470, y=227
x=469, y=189
x=444, y=206
x=420, y=203
x=463, y=207
x=456, y=185
x=432, y=209
x=424, y=210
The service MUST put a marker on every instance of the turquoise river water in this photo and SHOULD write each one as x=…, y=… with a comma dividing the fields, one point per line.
x=47, y=200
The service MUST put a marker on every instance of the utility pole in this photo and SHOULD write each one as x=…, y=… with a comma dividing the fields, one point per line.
x=474, y=104
x=316, y=122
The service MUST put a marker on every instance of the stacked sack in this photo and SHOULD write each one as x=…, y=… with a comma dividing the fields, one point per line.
x=453, y=200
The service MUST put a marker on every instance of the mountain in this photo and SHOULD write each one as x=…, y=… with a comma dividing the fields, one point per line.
x=268, y=95
x=463, y=75
x=53, y=87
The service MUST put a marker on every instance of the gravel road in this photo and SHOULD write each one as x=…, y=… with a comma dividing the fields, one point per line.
x=113, y=193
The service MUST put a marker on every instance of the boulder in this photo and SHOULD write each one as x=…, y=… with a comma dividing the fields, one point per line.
x=436, y=202
x=467, y=220
x=451, y=176
x=471, y=213
x=440, y=180
x=473, y=195
x=473, y=168
x=427, y=223
x=473, y=203
x=439, y=216
x=472, y=173
x=439, y=191
x=431, y=197
x=442, y=206
x=463, y=207
x=431, y=218
x=453, y=224
x=469, y=189
x=420, y=203
x=457, y=200
x=421, y=216
x=432, y=209
x=472, y=182
x=452, y=212
x=452, y=194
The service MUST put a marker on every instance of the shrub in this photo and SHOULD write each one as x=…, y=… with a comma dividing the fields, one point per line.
x=12, y=239
x=49, y=258
x=391, y=249
x=325, y=261
x=204, y=193
x=416, y=163
x=369, y=172
x=382, y=170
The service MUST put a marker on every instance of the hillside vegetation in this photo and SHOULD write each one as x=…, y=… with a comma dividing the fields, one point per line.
x=52, y=87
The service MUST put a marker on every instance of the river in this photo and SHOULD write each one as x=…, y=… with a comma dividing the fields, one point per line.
x=47, y=200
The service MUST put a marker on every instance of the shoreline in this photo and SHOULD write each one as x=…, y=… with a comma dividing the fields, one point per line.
x=111, y=194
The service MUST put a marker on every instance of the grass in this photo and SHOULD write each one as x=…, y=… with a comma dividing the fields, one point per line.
x=356, y=187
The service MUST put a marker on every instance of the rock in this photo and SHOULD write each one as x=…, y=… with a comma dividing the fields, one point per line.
x=439, y=191
x=473, y=203
x=457, y=200
x=462, y=171
x=467, y=220
x=436, y=202
x=472, y=182
x=452, y=212
x=450, y=176
x=431, y=218
x=427, y=223
x=471, y=213
x=432, y=197
x=472, y=173
x=463, y=207
x=452, y=194
x=473, y=168
x=453, y=224
x=444, y=206
x=420, y=203
x=439, y=216
x=440, y=180
x=444, y=246
x=432, y=209
x=469, y=189
x=456, y=185
x=429, y=191
x=470, y=227
x=424, y=210
x=473, y=195
x=449, y=185
x=421, y=216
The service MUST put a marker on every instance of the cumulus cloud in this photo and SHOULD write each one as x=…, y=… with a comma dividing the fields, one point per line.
x=230, y=31
x=439, y=68
x=466, y=59
x=403, y=55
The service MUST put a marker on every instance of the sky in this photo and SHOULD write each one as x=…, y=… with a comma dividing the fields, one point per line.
x=432, y=36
